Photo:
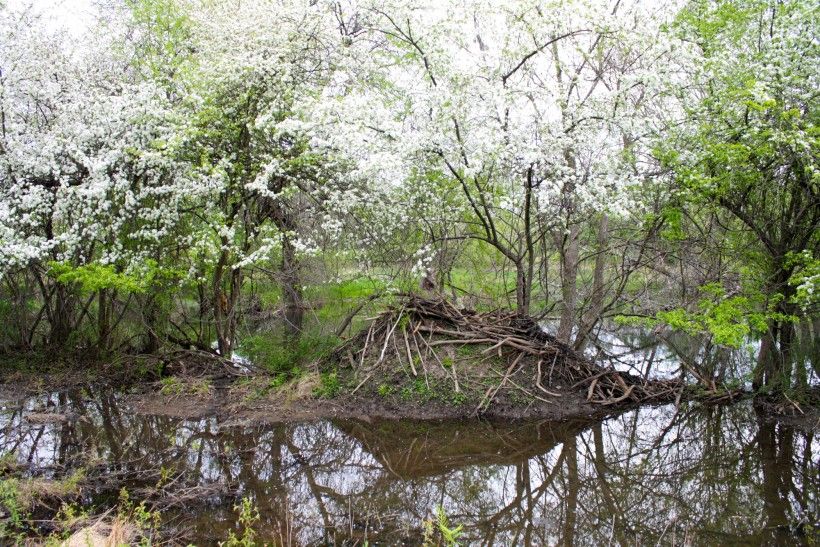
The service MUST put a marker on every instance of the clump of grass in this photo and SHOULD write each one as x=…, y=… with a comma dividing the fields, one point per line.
x=18, y=496
x=173, y=385
x=14, y=508
x=468, y=350
x=418, y=389
x=458, y=398
x=329, y=385
x=135, y=519
x=201, y=387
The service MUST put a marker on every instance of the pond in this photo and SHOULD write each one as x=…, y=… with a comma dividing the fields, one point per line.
x=657, y=475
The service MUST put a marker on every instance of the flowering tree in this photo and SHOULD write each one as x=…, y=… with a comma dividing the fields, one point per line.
x=531, y=113
x=91, y=193
x=257, y=67
x=188, y=150
x=748, y=147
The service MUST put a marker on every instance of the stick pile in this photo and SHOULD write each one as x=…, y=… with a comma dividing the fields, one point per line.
x=413, y=332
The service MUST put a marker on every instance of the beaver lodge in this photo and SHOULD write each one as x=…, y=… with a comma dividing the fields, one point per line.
x=427, y=352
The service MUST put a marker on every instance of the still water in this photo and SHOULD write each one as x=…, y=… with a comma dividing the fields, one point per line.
x=720, y=475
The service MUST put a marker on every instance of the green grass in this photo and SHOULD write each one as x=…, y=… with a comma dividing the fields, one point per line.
x=329, y=385
x=278, y=356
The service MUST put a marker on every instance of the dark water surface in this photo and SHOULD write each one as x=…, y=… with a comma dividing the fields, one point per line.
x=720, y=475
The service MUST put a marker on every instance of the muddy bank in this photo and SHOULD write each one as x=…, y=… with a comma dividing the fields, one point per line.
x=247, y=403
x=422, y=359
x=256, y=399
x=803, y=414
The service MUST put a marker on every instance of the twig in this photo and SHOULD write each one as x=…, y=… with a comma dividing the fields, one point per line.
x=409, y=355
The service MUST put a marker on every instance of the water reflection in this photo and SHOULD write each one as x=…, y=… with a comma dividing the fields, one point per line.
x=719, y=475
x=653, y=355
x=661, y=353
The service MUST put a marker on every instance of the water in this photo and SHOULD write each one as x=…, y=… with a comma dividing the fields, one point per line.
x=716, y=475
x=646, y=353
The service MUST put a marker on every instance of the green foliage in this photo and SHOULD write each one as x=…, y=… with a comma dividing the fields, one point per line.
x=440, y=532
x=468, y=350
x=417, y=389
x=164, y=476
x=286, y=357
x=458, y=398
x=384, y=390
x=329, y=385
x=448, y=534
x=201, y=387
x=146, y=521
x=729, y=319
x=13, y=507
x=95, y=277
x=806, y=278
x=172, y=385
x=278, y=380
x=69, y=516
x=71, y=484
x=162, y=48
x=248, y=518
x=673, y=224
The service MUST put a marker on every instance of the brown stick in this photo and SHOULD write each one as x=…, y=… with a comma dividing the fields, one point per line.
x=617, y=399
x=389, y=334
x=498, y=387
x=409, y=356
x=366, y=342
x=462, y=342
x=591, y=388
x=538, y=382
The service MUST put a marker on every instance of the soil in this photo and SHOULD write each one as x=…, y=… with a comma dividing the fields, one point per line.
x=423, y=360
x=426, y=360
x=283, y=407
x=252, y=399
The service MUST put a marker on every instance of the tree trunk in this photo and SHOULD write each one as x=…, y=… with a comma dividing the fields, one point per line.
x=292, y=291
x=220, y=308
x=569, y=283
x=573, y=487
x=61, y=320
x=523, y=287
x=152, y=316
x=525, y=267
x=596, y=305
x=774, y=368
x=103, y=322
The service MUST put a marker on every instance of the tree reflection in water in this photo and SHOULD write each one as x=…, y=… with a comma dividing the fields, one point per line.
x=712, y=475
